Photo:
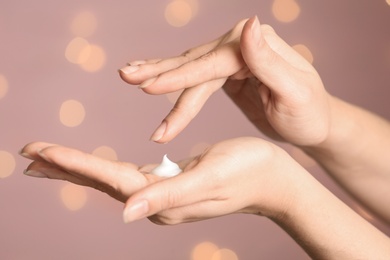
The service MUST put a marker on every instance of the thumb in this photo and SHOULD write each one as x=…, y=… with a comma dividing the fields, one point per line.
x=267, y=56
x=170, y=193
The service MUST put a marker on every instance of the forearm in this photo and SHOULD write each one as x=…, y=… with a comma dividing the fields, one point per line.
x=328, y=229
x=356, y=154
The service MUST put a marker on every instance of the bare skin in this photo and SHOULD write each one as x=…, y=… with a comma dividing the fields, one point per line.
x=283, y=96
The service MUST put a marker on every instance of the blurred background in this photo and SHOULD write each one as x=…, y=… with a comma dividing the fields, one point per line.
x=59, y=83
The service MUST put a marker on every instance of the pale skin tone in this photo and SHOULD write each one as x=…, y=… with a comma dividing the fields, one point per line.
x=283, y=96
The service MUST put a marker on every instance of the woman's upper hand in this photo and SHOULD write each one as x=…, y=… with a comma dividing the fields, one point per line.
x=276, y=88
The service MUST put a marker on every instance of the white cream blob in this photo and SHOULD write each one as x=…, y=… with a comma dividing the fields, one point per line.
x=167, y=168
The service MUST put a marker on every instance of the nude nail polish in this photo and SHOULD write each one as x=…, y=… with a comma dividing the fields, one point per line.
x=138, y=210
x=136, y=62
x=159, y=132
x=129, y=69
x=25, y=155
x=34, y=173
x=255, y=30
x=147, y=83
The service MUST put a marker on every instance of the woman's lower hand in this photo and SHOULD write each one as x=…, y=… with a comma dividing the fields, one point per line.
x=247, y=175
x=242, y=175
x=118, y=179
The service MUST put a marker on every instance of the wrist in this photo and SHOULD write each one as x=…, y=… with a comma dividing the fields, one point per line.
x=342, y=127
x=287, y=188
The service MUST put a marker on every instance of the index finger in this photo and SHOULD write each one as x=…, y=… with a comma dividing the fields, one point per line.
x=222, y=62
x=139, y=71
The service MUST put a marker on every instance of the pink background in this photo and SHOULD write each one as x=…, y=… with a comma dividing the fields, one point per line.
x=350, y=43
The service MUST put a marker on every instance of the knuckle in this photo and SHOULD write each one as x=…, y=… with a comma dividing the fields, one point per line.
x=209, y=56
x=209, y=60
x=164, y=219
x=171, y=199
x=186, y=56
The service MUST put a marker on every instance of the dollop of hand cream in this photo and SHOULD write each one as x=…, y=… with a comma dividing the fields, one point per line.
x=167, y=168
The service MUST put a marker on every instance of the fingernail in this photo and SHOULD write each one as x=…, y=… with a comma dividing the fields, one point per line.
x=147, y=83
x=43, y=156
x=159, y=132
x=138, y=210
x=129, y=69
x=136, y=62
x=255, y=29
x=25, y=155
x=33, y=173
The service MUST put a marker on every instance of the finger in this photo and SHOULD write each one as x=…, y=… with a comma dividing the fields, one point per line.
x=220, y=63
x=139, y=71
x=30, y=151
x=185, y=109
x=262, y=49
x=46, y=170
x=195, y=212
x=178, y=191
x=114, y=174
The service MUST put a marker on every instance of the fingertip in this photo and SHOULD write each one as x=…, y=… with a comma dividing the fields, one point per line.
x=30, y=150
x=127, y=70
x=25, y=155
x=251, y=33
x=158, y=134
x=129, y=74
x=135, y=210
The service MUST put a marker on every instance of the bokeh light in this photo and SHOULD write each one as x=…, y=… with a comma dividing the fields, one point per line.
x=72, y=113
x=78, y=50
x=178, y=13
x=73, y=196
x=285, y=10
x=105, y=152
x=204, y=251
x=198, y=148
x=224, y=254
x=388, y=2
x=95, y=60
x=7, y=164
x=194, y=4
x=84, y=24
x=304, y=51
x=3, y=86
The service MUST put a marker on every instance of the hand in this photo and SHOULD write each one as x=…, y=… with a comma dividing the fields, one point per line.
x=277, y=89
x=238, y=175
x=243, y=175
x=118, y=179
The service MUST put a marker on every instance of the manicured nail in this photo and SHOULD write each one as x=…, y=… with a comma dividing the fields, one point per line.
x=33, y=173
x=159, y=132
x=138, y=210
x=129, y=69
x=147, y=83
x=256, y=31
x=136, y=62
x=43, y=156
x=25, y=155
